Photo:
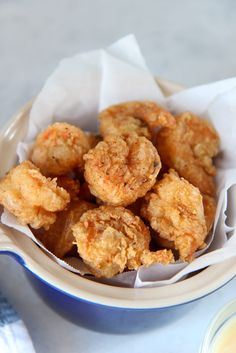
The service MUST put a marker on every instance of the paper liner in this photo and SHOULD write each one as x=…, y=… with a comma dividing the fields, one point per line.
x=83, y=85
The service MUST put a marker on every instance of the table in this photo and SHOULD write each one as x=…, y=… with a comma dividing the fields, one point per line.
x=187, y=42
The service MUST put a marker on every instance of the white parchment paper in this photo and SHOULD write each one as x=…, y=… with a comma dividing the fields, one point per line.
x=86, y=83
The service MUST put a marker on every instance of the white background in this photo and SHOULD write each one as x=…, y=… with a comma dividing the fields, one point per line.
x=190, y=42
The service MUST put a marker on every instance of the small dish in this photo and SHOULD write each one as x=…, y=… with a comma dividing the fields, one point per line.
x=220, y=336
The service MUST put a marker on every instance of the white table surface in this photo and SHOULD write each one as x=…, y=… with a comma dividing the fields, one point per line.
x=190, y=42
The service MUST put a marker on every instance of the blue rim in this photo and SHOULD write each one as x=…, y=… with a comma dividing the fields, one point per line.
x=15, y=256
x=23, y=264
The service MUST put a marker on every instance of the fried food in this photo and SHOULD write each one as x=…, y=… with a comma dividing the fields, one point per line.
x=175, y=210
x=120, y=170
x=31, y=197
x=123, y=126
x=164, y=257
x=134, y=118
x=110, y=239
x=59, y=149
x=59, y=238
x=72, y=186
x=81, y=211
x=209, y=204
x=189, y=149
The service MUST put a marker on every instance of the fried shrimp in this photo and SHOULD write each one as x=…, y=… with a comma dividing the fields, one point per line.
x=134, y=118
x=189, y=149
x=59, y=238
x=174, y=209
x=120, y=170
x=59, y=149
x=111, y=239
x=209, y=204
x=31, y=197
x=164, y=257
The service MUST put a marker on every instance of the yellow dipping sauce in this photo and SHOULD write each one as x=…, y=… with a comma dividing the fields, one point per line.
x=225, y=341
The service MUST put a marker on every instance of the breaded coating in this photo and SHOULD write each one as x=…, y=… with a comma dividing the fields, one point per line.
x=120, y=170
x=134, y=118
x=31, y=197
x=123, y=125
x=111, y=239
x=164, y=257
x=209, y=204
x=59, y=238
x=72, y=186
x=189, y=149
x=174, y=209
x=59, y=149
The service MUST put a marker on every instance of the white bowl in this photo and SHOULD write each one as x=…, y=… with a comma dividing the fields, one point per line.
x=201, y=284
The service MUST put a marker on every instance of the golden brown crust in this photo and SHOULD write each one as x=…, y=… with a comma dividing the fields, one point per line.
x=189, y=149
x=123, y=126
x=31, y=197
x=59, y=149
x=137, y=118
x=59, y=238
x=119, y=170
x=174, y=209
x=110, y=239
x=209, y=204
x=164, y=257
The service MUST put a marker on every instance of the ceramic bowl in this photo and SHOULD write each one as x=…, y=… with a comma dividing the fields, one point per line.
x=94, y=305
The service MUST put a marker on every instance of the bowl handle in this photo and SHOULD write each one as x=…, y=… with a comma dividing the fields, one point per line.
x=8, y=247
